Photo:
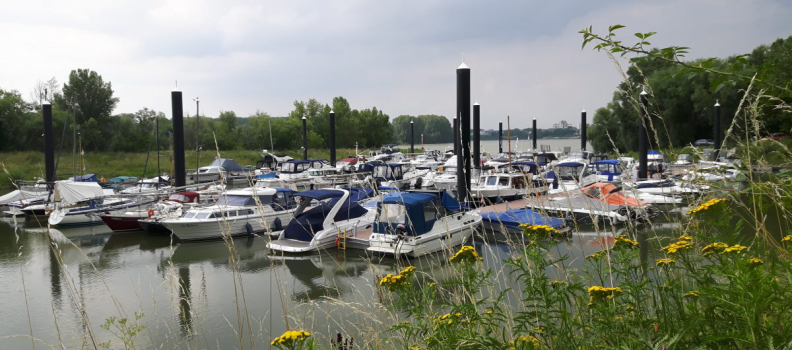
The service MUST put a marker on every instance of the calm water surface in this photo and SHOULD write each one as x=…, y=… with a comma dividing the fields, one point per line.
x=186, y=292
x=491, y=146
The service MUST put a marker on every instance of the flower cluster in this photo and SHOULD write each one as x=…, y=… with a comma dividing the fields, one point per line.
x=290, y=337
x=787, y=238
x=466, y=253
x=448, y=319
x=597, y=293
x=540, y=231
x=557, y=283
x=665, y=262
x=526, y=339
x=704, y=207
x=735, y=249
x=624, y=242
x=597, y=255
x=682, y=243
x=755, y=262
x=396, y=281
x=691, y=294
x=714, y=248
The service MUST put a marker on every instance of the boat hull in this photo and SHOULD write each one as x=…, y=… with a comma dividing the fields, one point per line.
x=452, y=231
x=197, y=230
x=121, y=223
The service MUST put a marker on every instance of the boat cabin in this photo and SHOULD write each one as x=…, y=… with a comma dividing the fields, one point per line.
x=388, y=172
x=413, y=213
x=184, y=197
x=608, y=169
x=316, y=208
x=278, y=198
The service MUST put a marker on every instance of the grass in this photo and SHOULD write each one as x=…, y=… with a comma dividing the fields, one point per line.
x=29, y=164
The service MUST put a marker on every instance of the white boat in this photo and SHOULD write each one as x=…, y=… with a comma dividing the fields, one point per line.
x=568, y=176
x=79, y=203
x=508, y=186
x=149, y=185
x=322, y=216
x=237, y=212
x=419, y=223
x=446, y=178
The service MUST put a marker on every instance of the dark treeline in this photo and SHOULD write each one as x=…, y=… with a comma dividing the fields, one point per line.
x=683, y=102
x=525, y=134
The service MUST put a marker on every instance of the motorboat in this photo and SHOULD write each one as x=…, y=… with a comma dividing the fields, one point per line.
x=419, y=223
x=217, y=169
x=578, y=157
x=446, y=179
x=130, y=220
x=237, y=212
x=602, y=202
x=608, y=169
x=151, y=185
x=323, y=218
x=522, y=181
x=171, y=208
x=568, y=176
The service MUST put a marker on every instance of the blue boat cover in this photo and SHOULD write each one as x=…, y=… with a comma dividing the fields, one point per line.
x=408, y=199
x=227, y=164
x=607, y=161
x=516, y=217
x=123, y=179
x=269, y=175
x=86, y=178
x=304, y=226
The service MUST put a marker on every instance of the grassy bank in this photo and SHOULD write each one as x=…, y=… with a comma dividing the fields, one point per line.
x=30, y=165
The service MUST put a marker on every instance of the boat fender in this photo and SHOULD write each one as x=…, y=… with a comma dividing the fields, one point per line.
x=249, y=229
x=150, y=213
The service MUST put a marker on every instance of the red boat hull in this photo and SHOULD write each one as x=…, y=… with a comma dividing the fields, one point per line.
x=121, y=223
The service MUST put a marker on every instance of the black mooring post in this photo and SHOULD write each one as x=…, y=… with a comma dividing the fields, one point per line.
x=412, y=136
x=717, y=131
x=477, y=135
x=463, y=111
x=332, y=139
x=305, y=138
x=49, y=143
x=456, y=136
x=583, y=130
x=180, y=173
x=500, y=137
x=533, y=134
x=643, y=147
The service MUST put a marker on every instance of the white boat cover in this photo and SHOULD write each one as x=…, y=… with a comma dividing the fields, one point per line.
x=16, y=195
x=75, y=192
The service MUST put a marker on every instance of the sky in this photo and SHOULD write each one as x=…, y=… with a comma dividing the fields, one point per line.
x=399, y=56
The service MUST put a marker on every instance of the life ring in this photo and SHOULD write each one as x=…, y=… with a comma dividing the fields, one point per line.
x=150, y=213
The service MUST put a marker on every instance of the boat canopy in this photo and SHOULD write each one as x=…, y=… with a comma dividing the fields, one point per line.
x=86, y=178
x=74, y=192
x=184, y=197
x=517, y=217
x=227, y=164
x=609, y=167
x=305, y=225
x=417, y=211
x=532, y=167
x=119, y=179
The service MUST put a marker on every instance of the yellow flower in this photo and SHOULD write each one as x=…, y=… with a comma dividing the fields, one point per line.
x=735, y=249
x=755, y=262
x=624, y=242
x=714, y=248
x=597, y=255
x=677, y=246
x=540, y=231
x=665, y=262
x=556, y=283
x=691, y=294
x=707, y=205
x=787, y=238
x=407, y=271
x=524, y=339
x=291, y=337
x=685, y=238
x=597, y=293
x=466, y=253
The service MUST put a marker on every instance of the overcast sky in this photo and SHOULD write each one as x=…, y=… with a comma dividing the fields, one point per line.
x=399, y=56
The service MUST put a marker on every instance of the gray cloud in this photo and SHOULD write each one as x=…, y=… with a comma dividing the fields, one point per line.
x=399, y=56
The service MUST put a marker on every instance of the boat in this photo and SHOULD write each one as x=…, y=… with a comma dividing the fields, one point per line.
x=567, y=176
x=218, y=168
x=325, y=217
x=509, y=221
x=522, y=181
x=171, y=208
x=601, y=202
x=237, y=212
x=419, y=223
x=80, y=203
x=608, y=169
x=151, y=185
x=130, y=220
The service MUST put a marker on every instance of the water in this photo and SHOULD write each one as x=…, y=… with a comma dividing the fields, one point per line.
x=491, y=146
x=186, y=291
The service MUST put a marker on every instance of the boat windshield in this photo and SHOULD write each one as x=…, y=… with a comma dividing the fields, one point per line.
x=189, y=215
x=503, y=181
x=293, y=167
x=393, y=214
x=242, y=200
x=450, y=171
x=568, y=172
x=492, y=180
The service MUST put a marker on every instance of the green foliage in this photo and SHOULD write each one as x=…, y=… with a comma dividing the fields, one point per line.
x=434, y=128
x=124, y=329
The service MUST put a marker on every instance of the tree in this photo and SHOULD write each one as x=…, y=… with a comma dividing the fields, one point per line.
x=44, y=91
x=88, y=96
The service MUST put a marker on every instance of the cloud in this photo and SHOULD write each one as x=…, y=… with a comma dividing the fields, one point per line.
x=247, y=55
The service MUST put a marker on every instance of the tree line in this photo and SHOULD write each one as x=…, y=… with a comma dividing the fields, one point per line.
x=682, y=100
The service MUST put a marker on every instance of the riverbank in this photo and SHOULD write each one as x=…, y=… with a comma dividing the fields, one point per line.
x=29, y=165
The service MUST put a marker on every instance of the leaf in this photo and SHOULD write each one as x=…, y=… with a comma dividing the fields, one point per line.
x=614, y=27
x=720, y=86
x=639, y=35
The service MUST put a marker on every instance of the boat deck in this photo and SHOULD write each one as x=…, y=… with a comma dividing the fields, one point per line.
x=501, y=207
x=290, y=243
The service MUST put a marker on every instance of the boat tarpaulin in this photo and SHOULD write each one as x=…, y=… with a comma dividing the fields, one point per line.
x=75, y=192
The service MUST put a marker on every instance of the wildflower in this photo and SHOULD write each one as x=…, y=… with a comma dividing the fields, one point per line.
x=618, y=318
x=714, y=248
x=408, y=271
x=290, y=337
x=488, y=312
x=755, y=262
x=691, y=294
x=704, y=207
x=597, y=293
x=466, y=253
x=735, y=249
x=539, y=329
x=624, y=242
x=665, y=262
x=540, y=231
x=556, y=283
x=597, y=255
x=526, y=339
x=685, y=238
x=681, y=244
x=397, y=281
x=787, y=238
